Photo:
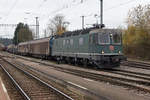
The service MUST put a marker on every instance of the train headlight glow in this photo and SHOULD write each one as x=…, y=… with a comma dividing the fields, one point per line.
x=111, y=35
x=103, y=52
x=119, y=51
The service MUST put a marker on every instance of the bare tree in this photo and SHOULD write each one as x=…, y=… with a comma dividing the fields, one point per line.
x=139, y=16
x=57, y=25
x=136, y=39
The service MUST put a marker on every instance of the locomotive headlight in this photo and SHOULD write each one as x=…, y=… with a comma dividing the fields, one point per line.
x=119, y=51
x=103, y=52
x=111, y=35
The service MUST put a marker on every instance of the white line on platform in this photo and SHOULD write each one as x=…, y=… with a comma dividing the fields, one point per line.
x=4, y=88
x=78, y=85
x=88, y=79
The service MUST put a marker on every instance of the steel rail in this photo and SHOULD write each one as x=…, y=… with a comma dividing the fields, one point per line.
x=140, y=63
x=16, y=84
x=98, y=75
x=107, y=80
x=111, y=80
x=36, y=78
x=136, y=66
x=120, y=72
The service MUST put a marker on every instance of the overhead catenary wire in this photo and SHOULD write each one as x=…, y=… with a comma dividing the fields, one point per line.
x=10, y=10
x=38, y=9
x=121, y=4
x=67, y=6
x=115, y=6
x=41, y=4
x=105, y=10
x=74, y=3
x=83, y=1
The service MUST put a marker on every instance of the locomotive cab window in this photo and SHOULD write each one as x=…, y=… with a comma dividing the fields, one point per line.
x=116, y=38
x=104, y=38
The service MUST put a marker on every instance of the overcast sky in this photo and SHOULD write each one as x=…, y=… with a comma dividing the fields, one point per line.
x=15, y=11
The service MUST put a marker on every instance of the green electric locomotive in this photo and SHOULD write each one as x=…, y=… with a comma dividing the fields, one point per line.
x=99, y=47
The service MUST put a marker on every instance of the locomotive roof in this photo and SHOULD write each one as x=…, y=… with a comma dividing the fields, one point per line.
x=76, y=32
x=113, y=31
x=88, y=31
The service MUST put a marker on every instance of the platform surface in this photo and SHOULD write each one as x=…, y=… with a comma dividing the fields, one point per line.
x=3, y=92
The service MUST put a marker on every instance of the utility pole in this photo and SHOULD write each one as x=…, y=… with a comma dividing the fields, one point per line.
x=83, y=17
x=101, y=14
x=37, y=28
x=17, y=38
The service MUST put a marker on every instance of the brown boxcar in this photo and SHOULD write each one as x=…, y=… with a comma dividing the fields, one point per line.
x=2, y=47
x=38, y=48
x=23, y=48
x=11, y=48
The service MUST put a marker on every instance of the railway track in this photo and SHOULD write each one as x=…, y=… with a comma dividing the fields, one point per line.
x=31, y=87
x=141, y=76
x=136, y=84
x=12, y=91
x=142, y=83
x=115, y=71
x=135, y=64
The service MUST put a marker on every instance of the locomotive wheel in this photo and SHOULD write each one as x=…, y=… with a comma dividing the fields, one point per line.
x=75, y=62
x=58, y=60
x=85, y=62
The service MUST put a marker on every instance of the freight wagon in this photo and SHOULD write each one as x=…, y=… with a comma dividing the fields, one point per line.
x=37, y=48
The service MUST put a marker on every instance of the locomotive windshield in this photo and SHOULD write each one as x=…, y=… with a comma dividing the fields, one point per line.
x=104, y=38
x=116, y=38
